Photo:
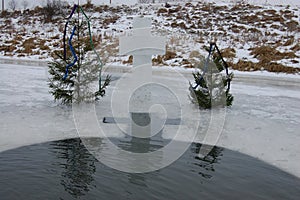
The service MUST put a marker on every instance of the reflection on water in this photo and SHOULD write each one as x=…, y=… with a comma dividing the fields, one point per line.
x=207, y=163
x=77, y=164
x=66, y=170
x=141, y=145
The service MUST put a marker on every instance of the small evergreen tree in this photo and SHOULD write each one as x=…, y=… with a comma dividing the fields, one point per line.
x=83, y=77
x=211, y=88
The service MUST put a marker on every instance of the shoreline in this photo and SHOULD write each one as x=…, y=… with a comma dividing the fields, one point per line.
x=116, y=67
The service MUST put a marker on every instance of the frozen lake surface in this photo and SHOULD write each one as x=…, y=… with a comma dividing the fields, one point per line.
x=264, y=121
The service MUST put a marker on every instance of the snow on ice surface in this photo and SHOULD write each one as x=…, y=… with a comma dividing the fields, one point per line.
x=263, y=122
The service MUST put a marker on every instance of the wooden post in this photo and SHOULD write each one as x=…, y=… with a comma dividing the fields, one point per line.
x=2, y=5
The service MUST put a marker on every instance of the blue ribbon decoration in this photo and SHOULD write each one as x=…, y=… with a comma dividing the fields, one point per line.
x=65, y=30
x=73, y=53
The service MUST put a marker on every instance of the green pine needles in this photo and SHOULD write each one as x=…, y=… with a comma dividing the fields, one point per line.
x=83, y=83
x=61, y=90
x=211, y=89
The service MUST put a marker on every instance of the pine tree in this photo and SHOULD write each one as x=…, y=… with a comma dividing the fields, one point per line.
x=211, y=87
x=80, y=84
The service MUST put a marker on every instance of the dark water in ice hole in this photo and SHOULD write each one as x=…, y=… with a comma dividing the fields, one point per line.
x=66, y=170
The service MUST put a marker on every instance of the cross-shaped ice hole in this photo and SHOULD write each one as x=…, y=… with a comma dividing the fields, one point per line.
x=142, y=46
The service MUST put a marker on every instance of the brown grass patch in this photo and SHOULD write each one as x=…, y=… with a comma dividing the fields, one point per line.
x=7, y=48
x=273, y=18
x=5, y=14
x=267, y=54
x=176, y=10
x=271, y=67
x=17, y=40
x=296, y=47
x=157, y=60
x=289, y=41
x=237, y=28
x=189, y=4
x=275, y=26
x=56, y=37
x=44, y=47
x=228, y=53
x=292, y=25
x=162, y=10
x=249, y=18
x=195, y=54
x=129, y=61
x=35, y=32
x=28, y=45
x=206, y=7
x=254, y=30
x=270, y=12
x=110, y=20
x=169, y=55
x=186, y=63
x=7, y=22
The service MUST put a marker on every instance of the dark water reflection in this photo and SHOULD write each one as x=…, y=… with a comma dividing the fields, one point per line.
x=141, y=145
x=77, y=164
x=66, y=170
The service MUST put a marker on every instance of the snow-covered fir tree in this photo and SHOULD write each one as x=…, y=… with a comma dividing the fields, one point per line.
x=82, y=81
x=211, y=87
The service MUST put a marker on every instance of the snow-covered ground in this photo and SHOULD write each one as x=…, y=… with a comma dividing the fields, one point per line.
x=246, y=34
x=263, y=122
x=32, y=3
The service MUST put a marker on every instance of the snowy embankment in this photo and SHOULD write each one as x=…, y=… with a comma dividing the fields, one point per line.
x=263, y=122
x=251, y=36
